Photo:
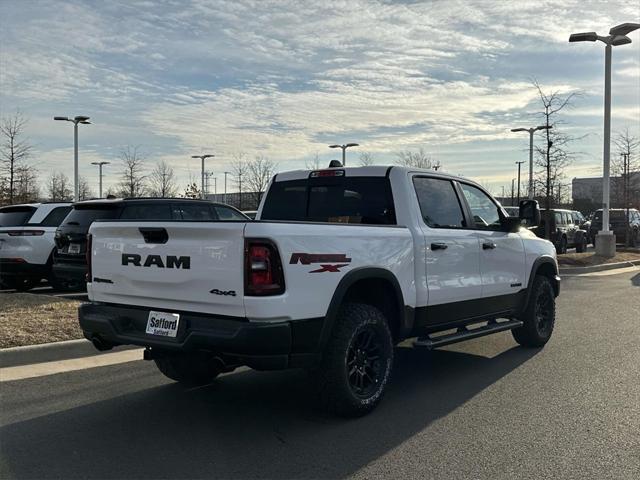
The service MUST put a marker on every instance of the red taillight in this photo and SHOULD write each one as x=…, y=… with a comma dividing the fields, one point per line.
x=25, y=233
x=263, y=269
x=88, y=257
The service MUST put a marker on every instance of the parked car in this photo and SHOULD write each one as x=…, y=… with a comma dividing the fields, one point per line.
x=583, y=224
x=343, y=264
x=564, y=233
x=27, y=242
x=618, y=223
x=69, y=259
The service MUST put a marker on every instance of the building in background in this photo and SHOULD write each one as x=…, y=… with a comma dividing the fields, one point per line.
x=587, y=192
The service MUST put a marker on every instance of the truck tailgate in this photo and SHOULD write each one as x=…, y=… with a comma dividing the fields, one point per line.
x=183, y=266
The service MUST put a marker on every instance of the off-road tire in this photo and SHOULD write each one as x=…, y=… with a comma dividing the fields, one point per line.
x=582, y=246
x=562, y=246
x=191, y=369
x=349, y=363
x=539, y=316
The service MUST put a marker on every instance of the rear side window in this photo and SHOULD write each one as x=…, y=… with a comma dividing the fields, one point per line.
x=15, y=216
x=149, y=211
x=225, y=213
x=439, y=203
x=55, y=217
x=358, y=200
x=85, y=215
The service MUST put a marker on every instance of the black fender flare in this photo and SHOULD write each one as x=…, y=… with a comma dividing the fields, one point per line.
x=350, y=279
x=539, y=262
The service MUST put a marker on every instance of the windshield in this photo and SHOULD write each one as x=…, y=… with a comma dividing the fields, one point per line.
x=363, y=200
x=15, y=216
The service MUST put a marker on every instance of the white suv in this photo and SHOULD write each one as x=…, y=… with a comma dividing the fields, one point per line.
x=27, y=242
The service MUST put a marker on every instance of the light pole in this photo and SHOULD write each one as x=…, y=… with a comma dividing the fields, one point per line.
x=202, y=158
x=519, y=163
x=100, y=164
x=606, y=245
x=531, y=131
x=75, y=120
x=225, y=186
x=344, y=149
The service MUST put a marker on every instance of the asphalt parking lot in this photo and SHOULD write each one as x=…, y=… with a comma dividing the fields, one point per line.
x=481, y=409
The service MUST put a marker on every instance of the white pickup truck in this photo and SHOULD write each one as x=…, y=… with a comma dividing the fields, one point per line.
x=340, y=265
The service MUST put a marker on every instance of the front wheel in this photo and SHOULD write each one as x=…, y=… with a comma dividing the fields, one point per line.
x=539, y=316
x=582, y=246
x=357, y=362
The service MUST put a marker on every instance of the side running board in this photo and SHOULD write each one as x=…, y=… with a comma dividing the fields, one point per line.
x=463, y=333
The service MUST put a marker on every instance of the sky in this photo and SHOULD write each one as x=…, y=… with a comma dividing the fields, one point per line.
x=285, y=79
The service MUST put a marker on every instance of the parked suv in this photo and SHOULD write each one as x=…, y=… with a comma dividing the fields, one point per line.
x=618, y=224
x=26, y=242
x=340, y=266
x=69, y=262
x=565, y=233
x=582, y=223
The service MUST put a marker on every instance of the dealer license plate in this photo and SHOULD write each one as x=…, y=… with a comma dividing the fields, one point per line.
x=163, y=324
x=74, y=248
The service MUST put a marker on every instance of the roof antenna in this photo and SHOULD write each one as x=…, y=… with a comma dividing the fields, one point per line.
x=335, y=164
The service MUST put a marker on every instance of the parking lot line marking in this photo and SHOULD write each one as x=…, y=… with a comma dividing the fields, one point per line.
x=23, y=372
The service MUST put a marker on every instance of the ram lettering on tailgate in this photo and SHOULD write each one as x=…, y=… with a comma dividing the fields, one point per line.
x=171, y=261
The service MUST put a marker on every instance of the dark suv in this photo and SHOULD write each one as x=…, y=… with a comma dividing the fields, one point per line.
x=565, y=233
x=69, y=262
x=618, y=224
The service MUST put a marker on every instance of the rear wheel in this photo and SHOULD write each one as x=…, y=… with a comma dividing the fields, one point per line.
x=582, y=246
x=357, y=362
x=191, y=369
x=539, y=316
x=562, y=246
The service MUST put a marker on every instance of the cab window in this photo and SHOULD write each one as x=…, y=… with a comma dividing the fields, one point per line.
x=439, y=203
x=486, y=214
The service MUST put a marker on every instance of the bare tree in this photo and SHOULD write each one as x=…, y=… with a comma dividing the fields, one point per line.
x=59, y=187
x=554, y=155
x=162, y=181
x=26, y=184
x=366, y=159
x=259, y=173
x=132, y=180
x=14, y=151
x=192, y=190
x=627, y=166
x=417, y=159
x=314, y=163
x=84, y=190
x=239, y=169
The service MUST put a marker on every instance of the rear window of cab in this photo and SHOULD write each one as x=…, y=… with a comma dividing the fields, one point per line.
x=355, y=200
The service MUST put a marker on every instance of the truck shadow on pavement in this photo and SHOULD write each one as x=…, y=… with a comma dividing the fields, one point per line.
x=247, y=424
x=635, y=280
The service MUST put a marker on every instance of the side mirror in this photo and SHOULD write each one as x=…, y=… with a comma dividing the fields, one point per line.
x=511, y=224
x=530, y=213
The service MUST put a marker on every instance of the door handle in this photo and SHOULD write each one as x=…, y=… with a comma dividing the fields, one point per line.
x=488, y=246
x=438, y=246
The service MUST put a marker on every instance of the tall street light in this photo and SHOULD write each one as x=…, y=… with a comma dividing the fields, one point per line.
x=606, y=244
x=225, y=186
x=202, y=157
x=531, y=131
x=344, y=148
x=100, y=164
x=75, y=120
x=519, y=163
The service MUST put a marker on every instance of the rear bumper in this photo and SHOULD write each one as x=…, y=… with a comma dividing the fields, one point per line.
x=70, y=272
x=266, y=346
x=11, y=269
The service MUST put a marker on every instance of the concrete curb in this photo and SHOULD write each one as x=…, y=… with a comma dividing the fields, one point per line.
x=598, y=268
x=50, y=352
